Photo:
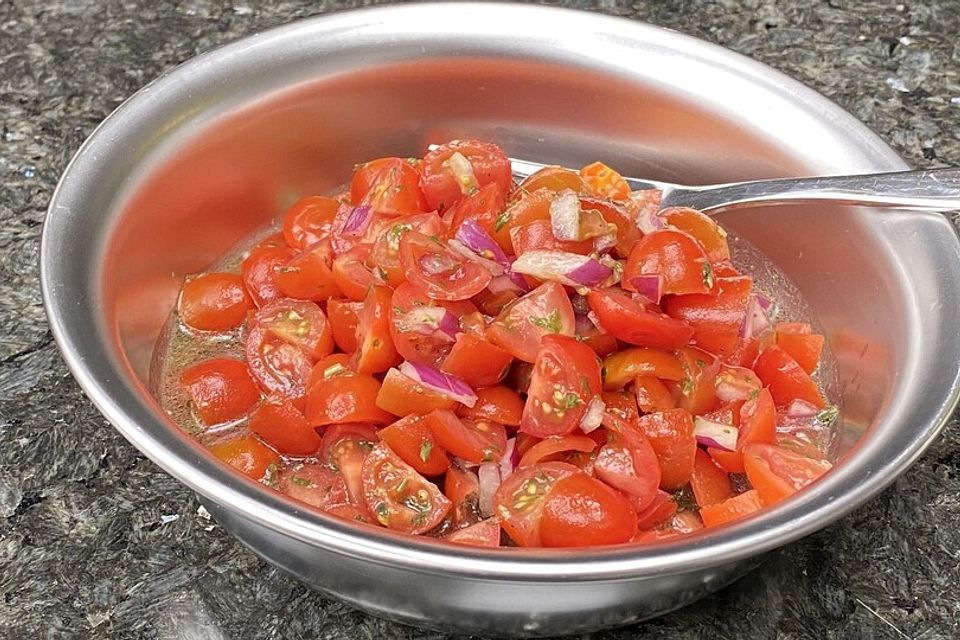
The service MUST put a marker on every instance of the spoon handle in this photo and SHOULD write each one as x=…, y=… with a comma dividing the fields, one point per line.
x=932, y=190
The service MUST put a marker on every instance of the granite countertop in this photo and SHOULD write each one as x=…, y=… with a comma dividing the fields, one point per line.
x=97, y=542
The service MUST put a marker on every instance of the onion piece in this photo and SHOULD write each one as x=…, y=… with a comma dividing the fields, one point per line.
x=565, y=216
x=649, y=221
x=357, y=220
x=489, y=480
x=510, y=459
x=444, y=383
x=495, y=268
x=571, y=269
x=757, y=319
x=593, y=416
x=715, y=434
x=801, y=409
x=476, y=239
x=504, y=283
x=650, y=286
x=430, y=321
x=463, y=173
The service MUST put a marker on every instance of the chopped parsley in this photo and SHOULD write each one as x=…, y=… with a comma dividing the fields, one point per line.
x=706, y=273
x=425, y=450
x=502, y=220
x=828, y=415
x=687, y=386
x=333, y=370
x=300, y=481
x=550, y=323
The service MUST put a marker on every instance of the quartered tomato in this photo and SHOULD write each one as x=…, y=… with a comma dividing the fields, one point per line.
x=622, y=367
x=390, y=186
x=519, y=500
x=555, y=179
x=344, y=399
x=708, y=233
x=386, y=249
x=344, y=316
x=566, y=378
x=214, y=302
x=581, y=511
x=671, y=435
x=653, y=395
x=462, y=488
x=398, y=496
x=521, y=325
x=776, y=473
x=345, y=447
x=258, y=272
x=471, y=440
x=485, y=533
x=731, y=509
x=220, y=390
x=402, y=395
x=284, y=428
x=497, y=404
x=627, y=232
x=477, y=361
x=623, y=317
x=716, y=317
x=439, y=272
x=539, y=235
x=758, y=425
x=621, y=403
x=375, y=349
x=309, y=221
x=698, y=389
x=482, y=206
x=308, y=276
x=804, y=346
x=549, y=448
x=248, y=455
x=710, y=483
x=662, y=507
x=461, y=167
x=786, y=378
x=628, y=462
x=673, y=255
x=410, y=439
x=531, y=207
x=314, y=484
x=353, y=273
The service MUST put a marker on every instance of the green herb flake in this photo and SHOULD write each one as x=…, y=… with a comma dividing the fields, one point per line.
x=828, y=415
x=382, y=273
x=707, y=275
x=585, y=384
x=687, y=386
x=333, y=370
x=300, y=481
x=425, y=450
x=383, y=513
x=550, y=323
x=502, y=220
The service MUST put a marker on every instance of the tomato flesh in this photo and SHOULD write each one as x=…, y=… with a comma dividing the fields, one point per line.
x=566, y=378
x=399, y=497
x=220, y=390
x=214, y=302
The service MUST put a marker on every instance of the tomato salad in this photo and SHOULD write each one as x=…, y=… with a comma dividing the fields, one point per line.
x=559, y=363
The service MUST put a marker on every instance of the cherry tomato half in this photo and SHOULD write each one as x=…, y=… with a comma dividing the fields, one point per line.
x=214, y=302
x=398, y=496
x=566, y=378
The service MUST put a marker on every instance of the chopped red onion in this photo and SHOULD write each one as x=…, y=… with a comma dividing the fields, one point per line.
x=565, y=216
x=435, y=263
x=650, y=286
x=593, y=416
x=648, y=221
x=518, y=280
x=510, y=459
x=475, y=238
x=605, y=242
x=430, y=321
x=495, y=268
x=502, y=283
x=757, y=319
x=801, y=409
x=489, y=480
x=444, y=383
x=357, y=220
x=571, y=269
x=715, y=434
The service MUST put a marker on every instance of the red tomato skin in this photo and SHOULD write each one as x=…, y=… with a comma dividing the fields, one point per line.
x=485, y=533
x=661, y=508
x=410, y=439
x=546, y=449
x=401, y=395
x=307, y=276
x=516, y=330
x=483, y=207
x=461, y=279
x=498, y=404
x=283, y=427
x=477, y=361
x=629, y=464
x=248, y=455
x=258, y=272
x=214, y=302
x=803, y=346
x=581, y=511
x=344, y=315
x=671, y=435
x=314, y=484
x=674, y=255
x=622, y=367
x=731, y=509
x=709, y=482
x=776, y=473
x=619, y=315
x=653, y=395
x=375, y=352
x=716, y=317
x=519, y=500
x=391, y=186
x=785, y=378
x=308, y=221
x=566, y=378
x=383, y=472
x=702, y=227
x=345, y=399
x=220, y=389
x=473, y=441
x=438, y=182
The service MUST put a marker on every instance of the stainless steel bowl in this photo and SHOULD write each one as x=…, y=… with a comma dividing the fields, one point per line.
x=205, y=154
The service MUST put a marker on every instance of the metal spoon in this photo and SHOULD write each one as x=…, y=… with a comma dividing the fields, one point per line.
x=932, y=190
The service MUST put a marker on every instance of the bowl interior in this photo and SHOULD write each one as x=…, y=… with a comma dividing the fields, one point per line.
x=223, y=145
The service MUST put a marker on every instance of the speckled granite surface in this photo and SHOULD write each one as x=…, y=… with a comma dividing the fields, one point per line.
x=96, y=542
